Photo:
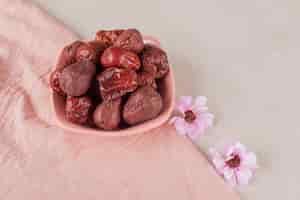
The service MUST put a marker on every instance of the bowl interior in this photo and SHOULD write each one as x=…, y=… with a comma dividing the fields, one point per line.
x=166, y=89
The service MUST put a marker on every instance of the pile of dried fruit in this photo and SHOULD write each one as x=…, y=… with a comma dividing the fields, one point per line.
x=110, y=82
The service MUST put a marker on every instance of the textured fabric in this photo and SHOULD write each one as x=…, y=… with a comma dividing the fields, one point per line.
x=41, y=161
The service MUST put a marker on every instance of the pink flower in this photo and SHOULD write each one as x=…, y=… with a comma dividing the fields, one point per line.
x=235, y=164
x=193, y=118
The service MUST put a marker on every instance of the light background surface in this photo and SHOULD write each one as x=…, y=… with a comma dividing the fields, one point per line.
x=243, y=55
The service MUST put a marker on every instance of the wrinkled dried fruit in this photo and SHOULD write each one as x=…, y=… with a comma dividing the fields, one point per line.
x=144, y=104
x=108, y=37
x=78, y=109
x=108, y=114
x=130, y=40
x=68, y=55
x=116, y=82
x=86, y=52
x=155, y=60
x=117, y=57
x=54, y=83
x=75, y=79
x=145, y=78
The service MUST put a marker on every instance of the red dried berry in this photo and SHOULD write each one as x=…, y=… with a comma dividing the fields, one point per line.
x=146, y=78
x=108, y=114
x=116, y=82
x=54, y=83
x=108, y=37
x=75, y=79
x=155, y=60
x=86, y=52
x=68, y=55
x=78, y=109
x=130, y=40
x=142, y=105
x=117, y=57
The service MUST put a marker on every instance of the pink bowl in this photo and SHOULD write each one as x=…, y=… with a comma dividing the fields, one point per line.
x=167, y=90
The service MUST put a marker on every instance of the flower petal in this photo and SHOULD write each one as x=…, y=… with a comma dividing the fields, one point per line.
x=236, y=148
x=249, y=160
x=200, y=104
x=193, y=135
x=240, y=148
x=193, y=131
x=206, y=118
x=217, y=160
x=229, y=176
x=180, y=126
x=200, y=101
x=243, y=176
x=184, y=103
x=203, y=121
x=173, y=119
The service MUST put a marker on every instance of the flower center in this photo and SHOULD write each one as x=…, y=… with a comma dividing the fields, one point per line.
x=189, y=116
x=234, y=162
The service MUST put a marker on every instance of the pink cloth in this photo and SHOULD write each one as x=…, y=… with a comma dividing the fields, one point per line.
x=41, y=161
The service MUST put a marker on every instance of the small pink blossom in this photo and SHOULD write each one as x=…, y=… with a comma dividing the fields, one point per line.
x=193, y=118
x=235, y=164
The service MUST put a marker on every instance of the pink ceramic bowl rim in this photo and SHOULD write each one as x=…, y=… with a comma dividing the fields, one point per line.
x=137, y=129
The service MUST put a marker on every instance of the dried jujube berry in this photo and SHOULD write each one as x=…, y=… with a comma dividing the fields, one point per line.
x=54, y=83
x=76, y=78
x=130, y=40
x=116, y=82
x=108, y=114
x=117, y=57
x=155, y=60
x=68, y=55
x=108, y=37
x=78, y=109
x=146, y=78
x=85, y=51
x=144, y=104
